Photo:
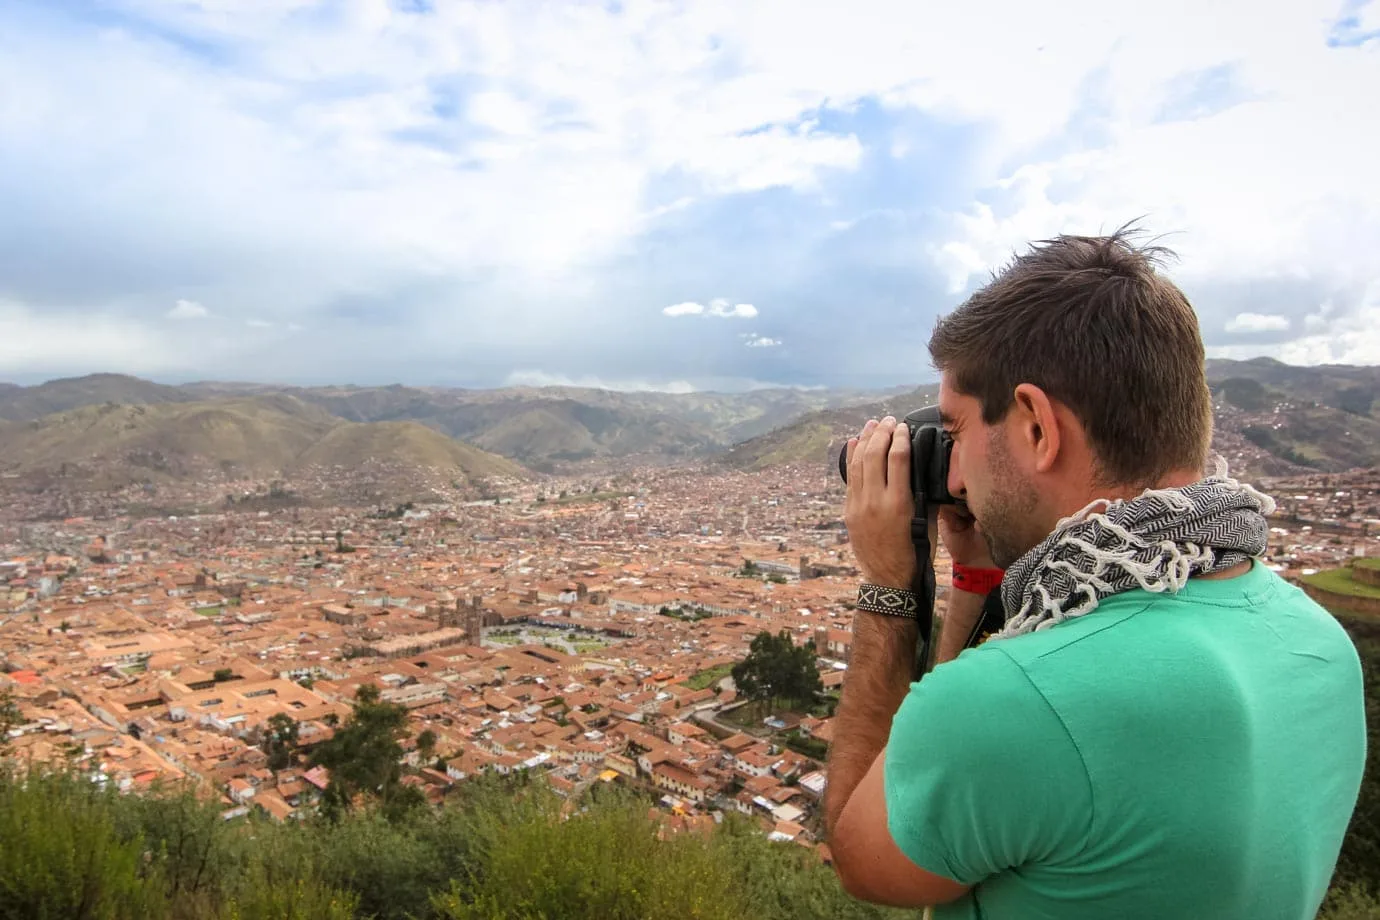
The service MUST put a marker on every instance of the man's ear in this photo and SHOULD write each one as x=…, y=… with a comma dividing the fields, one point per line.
x=1037, y=425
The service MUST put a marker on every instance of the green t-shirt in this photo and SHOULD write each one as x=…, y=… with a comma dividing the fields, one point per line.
x=1168, y=757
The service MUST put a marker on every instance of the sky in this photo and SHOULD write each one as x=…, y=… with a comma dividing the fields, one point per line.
x=709, y=194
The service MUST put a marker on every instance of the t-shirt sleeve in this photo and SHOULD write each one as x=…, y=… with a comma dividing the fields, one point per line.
x=981, y=774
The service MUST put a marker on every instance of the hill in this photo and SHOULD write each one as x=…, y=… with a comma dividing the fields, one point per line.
x=1297, y=418
x=109, y=445
x=538, y=426
x=356, y=444
x=543, y=425
x=25, y=403
x=1271, y=419
x=819, y=436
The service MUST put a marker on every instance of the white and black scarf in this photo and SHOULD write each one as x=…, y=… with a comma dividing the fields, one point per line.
x=1154, y=541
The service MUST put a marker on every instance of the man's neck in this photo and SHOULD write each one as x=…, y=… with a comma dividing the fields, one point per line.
x=1175, y=479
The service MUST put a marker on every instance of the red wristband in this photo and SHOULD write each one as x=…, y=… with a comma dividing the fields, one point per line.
x=975, y=580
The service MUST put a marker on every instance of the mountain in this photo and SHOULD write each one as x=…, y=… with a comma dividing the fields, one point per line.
x=819, y=436
x=541, y=425
x=1271, y=419
x=1290, y=419
x=112, y=445
x=25, y=403
x=353, y=445
x=538, y=426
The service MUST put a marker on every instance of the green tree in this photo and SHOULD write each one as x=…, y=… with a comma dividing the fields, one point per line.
x=280, y=740
x=223, y=674
x=364, y=755
x=426, y=744
x=777, y=669
x=1356, y=400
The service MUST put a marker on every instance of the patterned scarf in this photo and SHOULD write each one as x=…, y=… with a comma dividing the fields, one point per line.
x=1155, y=541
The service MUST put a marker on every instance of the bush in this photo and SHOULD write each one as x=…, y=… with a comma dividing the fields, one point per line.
x=500, y=849
x=63, y=858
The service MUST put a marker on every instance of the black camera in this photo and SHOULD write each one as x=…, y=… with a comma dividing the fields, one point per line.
x=930, y=446
x=930, y=449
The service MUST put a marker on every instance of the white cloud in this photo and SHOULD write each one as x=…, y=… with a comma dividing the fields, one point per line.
x=532, y=145
x=188, y=309
x=32, y=343
x=1258, y=322
x=721, y=307
x=535, y=378
x=717, y=307
x=752, y=340
x=1237, y=141
x=689, y=308
x=1353, y=338
x=258, y=324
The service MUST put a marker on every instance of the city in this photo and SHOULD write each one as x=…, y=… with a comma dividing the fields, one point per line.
x=581, y=627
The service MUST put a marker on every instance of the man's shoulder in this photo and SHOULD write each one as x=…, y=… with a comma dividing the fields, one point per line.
x=1132, y=618
x=982, y=686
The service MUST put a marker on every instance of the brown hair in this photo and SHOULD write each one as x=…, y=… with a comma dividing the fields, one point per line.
x=1090, y=322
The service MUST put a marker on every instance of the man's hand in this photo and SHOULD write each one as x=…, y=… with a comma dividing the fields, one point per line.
x=880, y=506
x=963, y=537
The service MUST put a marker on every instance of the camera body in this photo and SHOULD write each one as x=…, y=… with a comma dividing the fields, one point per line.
x=930, y=451
x=930, y=447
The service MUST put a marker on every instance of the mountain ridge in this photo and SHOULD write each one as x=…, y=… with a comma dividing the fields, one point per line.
x=1271, y=418
x=111, y=445
x=537, y=426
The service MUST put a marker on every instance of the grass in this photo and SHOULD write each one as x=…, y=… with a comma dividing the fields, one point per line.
x=708, y=677
x=1366, y=563
x=1339, y=581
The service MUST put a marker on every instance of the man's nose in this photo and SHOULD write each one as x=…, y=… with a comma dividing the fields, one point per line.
x=957, y=488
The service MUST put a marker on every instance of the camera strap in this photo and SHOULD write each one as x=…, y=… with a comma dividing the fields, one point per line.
x=924, y=588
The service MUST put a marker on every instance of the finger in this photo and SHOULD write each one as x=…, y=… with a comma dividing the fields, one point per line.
x=874, y=456
x=956, y=517
x=952, y=517
x=855, y=456
x=898, y=459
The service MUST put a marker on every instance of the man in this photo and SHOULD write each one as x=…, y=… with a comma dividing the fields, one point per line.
x=1164, y=728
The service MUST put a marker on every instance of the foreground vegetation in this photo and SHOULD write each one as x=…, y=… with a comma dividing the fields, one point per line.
x=500, y=849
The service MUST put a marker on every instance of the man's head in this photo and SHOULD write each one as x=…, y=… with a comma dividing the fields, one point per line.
x=1076, y=373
